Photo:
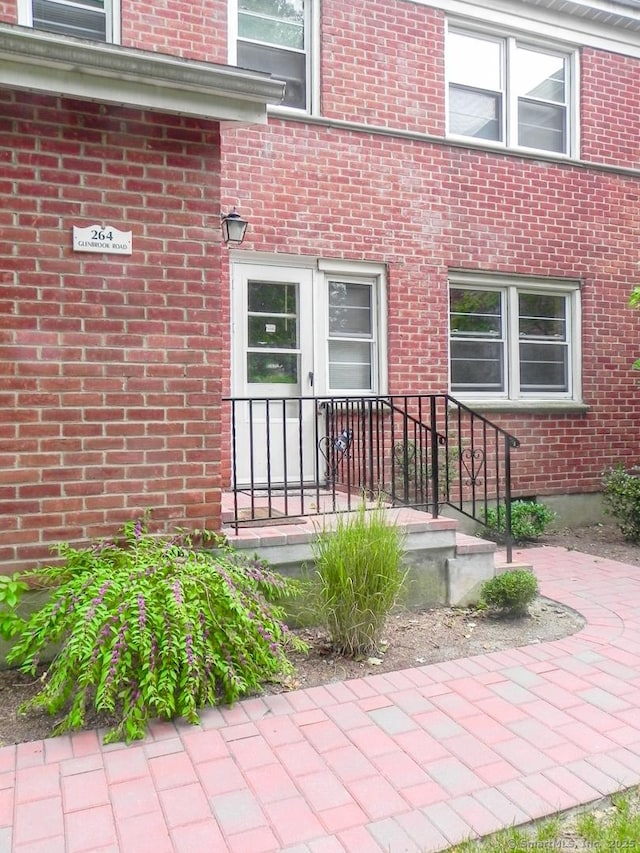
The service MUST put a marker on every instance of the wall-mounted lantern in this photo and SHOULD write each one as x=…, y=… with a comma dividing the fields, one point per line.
x=234, y=227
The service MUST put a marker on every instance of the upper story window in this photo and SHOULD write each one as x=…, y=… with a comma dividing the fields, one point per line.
x=514, y=339
x=86, y=19
x=510, y=92
x=273, y=36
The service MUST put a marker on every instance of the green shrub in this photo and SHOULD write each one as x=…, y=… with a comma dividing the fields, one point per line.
x=529, y=520
x=12, y=588
x=359, y=567
x=621, y=496
x=511, y=593
x=153, y=627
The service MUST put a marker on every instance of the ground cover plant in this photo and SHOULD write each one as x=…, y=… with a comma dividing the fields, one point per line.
x=608, y=827
x=151, y=627
x=360, y=574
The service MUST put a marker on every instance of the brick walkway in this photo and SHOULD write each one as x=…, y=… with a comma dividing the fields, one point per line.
x=401, y=762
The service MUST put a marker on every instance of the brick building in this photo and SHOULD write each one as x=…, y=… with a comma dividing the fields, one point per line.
x=446, y=200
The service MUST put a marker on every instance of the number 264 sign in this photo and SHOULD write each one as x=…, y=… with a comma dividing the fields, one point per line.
x=102, y=238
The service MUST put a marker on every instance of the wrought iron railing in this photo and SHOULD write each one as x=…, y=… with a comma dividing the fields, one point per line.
x=300, y=456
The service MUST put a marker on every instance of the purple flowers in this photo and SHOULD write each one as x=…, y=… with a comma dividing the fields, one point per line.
x=188, y=641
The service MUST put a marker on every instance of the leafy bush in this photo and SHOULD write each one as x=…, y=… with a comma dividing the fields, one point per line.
x=359, y=566
x=621, y=496
x=529, y=520
x=153, y=627
x=12, y=588
x=511, y=592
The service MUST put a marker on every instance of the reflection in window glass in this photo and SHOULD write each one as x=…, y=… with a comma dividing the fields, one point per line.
x=540, y=75
x=474, y=61
x=267, y=368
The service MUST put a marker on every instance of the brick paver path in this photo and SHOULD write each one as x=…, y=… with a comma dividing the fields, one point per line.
x=406, y=762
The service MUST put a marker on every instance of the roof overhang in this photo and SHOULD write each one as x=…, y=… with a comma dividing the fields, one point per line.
x=36, y=61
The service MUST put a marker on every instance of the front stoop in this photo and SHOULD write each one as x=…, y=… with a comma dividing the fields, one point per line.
x=444, y=567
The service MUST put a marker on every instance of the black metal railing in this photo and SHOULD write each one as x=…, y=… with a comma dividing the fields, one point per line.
x=300, y=456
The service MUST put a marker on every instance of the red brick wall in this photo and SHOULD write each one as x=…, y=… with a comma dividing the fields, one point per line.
x=423, y=209
x=190, y=30
x=610, y=116
x=109, y=364
x=9, y=11
x=384, y=64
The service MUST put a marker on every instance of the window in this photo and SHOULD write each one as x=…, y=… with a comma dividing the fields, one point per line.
x=86, y=19
x=351, y=339
x=273, y=37
x=514, y=339
x=510, y=92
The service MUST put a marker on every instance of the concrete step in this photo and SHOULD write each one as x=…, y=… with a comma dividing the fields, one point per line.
x=445, y=567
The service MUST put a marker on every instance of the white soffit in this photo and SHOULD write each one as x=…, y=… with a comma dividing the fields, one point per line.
x=610, y=25
x=42, y=62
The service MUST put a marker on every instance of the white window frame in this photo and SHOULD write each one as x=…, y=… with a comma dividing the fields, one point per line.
x=348, y=272
x=510, y=287
x=312, y=50
x=112, y=11
x=372, y=340
x=509, y=42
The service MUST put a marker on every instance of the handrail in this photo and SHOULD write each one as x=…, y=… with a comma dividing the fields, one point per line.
x=297, y=456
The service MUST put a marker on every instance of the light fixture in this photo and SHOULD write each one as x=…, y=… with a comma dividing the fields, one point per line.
x=234, y=227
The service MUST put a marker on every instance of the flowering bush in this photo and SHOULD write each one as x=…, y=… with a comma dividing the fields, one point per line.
x=154, y=627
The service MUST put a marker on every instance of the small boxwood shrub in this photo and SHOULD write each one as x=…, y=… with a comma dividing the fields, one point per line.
x=510, y=593
x=621, y=497
x=529, y=520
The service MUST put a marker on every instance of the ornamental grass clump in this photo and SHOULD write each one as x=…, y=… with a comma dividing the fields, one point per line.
x=153, y=627
x=359, y=567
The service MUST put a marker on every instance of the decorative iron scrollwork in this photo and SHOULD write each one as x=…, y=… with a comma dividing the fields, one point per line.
x=473, y=463
x=334, y=450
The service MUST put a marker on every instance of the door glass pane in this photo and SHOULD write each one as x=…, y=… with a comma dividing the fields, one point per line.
x=273, y=297
x=272, y=326
x=541, y=126
x=350, y=365
x=475, y=113
x=281, y=368
x=350, y=311
x=477, y=365
x=474, y=61
x=540, y=75
x=272, y=331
